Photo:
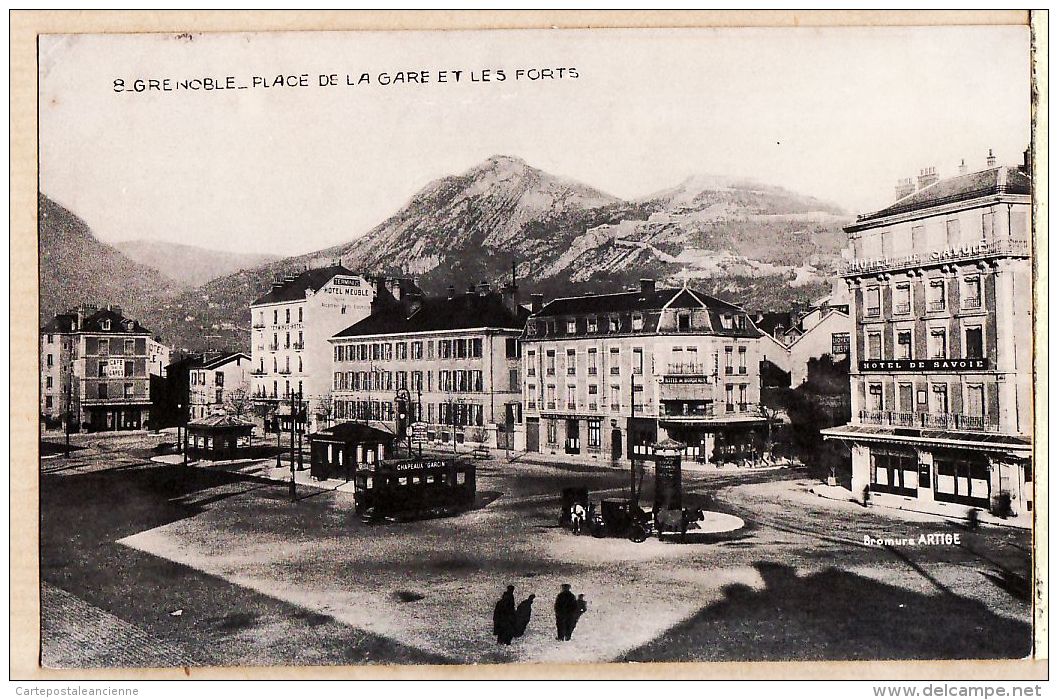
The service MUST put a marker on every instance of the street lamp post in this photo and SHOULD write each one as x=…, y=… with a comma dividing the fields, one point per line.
x=279, y=436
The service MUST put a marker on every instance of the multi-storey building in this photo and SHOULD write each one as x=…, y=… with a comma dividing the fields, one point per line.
x=456, y=356
x=609, y=375
x=218, y=383
x=291, y=326
x=94, y=367
x=942, y=354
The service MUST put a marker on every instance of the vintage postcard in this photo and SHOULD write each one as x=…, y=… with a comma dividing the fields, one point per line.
x=538, y=346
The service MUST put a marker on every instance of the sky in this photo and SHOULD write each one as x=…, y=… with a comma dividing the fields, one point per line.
x=837, y=113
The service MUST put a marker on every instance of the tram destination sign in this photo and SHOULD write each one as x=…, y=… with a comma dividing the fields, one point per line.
x=964, y=364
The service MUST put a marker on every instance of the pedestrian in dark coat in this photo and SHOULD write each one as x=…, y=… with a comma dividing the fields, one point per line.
x=522, y=615
x=565, y=612
x=582, y=607
x=504, y=618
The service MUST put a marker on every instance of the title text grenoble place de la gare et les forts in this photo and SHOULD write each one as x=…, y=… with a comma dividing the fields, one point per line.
x=325, y=80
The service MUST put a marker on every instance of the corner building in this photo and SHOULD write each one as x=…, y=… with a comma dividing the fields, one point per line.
x=94, y=370
x=609, y=375
x=291, y=326
x=942, y=354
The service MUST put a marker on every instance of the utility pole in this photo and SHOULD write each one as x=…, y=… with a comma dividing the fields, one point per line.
x=293, y=486
x=632, y=443
x=69, y=401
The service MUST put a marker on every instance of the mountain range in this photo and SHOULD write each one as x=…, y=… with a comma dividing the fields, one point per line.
x=188, y=265
x=761, y=246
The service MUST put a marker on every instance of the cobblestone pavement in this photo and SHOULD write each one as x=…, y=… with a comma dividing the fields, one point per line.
x=76, y=634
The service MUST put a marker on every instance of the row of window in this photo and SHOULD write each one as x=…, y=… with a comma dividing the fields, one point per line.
x=298, y=344
x=616, y=396
x=103, y=391
x=275, y=316
x=936, y=344
x=594, y=433
x=446, y=413
x=947, y=234
x=447, y=380
x=684, y=360
x=286, y=365
x=932, y=400
x=198, y=378
x=261, y=393
x=454, y=348
x=936, y=297
x=615, y=324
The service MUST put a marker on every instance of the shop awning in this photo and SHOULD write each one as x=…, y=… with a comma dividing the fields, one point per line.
x=938, y=438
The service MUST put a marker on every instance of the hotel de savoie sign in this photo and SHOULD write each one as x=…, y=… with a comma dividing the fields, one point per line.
x=964, y=364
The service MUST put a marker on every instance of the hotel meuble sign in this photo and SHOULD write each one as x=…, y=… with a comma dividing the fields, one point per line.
x=964, y=364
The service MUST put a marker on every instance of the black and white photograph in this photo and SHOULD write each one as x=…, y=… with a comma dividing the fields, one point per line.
x=538, y=346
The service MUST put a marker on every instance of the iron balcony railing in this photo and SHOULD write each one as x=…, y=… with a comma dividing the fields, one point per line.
x=686, y=368
x=971, y=303
x=273, y=346
x=936, y=306
x=258, y=325
x=258, y=372
x=903, y=308
x=936, y=421
x=298, y=346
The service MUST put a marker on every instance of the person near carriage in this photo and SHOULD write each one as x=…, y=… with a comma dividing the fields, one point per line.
x=522, y=615
x=565, y=612
x=577, y=516
x=504, y=620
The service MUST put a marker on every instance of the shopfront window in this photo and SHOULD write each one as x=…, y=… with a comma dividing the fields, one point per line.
x=894, y=473
x=962, y=478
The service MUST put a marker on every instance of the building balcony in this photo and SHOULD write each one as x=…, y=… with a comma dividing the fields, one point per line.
x=934, y=421
x=936, y=306
x=571, y=405
x=593, y=407
x=971, y=303
x=743, y=370
x=902, y=309
x=686, y=369
x=989, y=249
x=592, y=371
x=258, y=325
x=298, y=346
x=257, y=373
x=551, y=405
x=285, y=370
x=728, y=369
x=273, y=346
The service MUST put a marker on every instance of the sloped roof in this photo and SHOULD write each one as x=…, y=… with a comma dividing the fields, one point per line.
x=212, y=360
x=310, y=279
x=220, y=421
x=1001, y=180
x=93, y=323
x=626, y=301
x=419, y=315
x=352, y=431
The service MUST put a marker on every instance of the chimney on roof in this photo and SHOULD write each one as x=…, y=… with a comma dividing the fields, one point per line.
x=990, y=161
x=646, y=286
x=509, y=296
x=395, y=289
x=537, y=303
x=962, y=167
x=451, y=292
x=115, y=309
x=484, y=288
x=927, y=176
x=904, y=187
x=1026, y=161
x=276, y=284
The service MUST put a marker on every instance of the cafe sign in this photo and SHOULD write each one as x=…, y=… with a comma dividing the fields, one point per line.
x=965, y=364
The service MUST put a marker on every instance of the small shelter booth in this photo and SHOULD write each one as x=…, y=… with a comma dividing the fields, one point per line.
x=339, y=451
x=218, y=437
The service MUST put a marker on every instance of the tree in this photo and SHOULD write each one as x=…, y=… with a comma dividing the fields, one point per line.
x=771, y=416
x=238, y=403
x=324, y=409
